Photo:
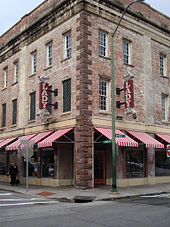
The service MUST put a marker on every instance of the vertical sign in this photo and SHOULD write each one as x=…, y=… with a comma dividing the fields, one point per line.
x=129, y=94
x=44, y=95
x=168, y=150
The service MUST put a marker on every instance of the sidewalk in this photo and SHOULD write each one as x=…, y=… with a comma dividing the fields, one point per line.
x=98, y=193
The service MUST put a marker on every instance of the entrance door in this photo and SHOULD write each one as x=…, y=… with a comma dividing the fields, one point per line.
x=99, y=167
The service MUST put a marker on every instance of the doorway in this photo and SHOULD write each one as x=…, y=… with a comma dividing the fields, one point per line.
x=99, y=167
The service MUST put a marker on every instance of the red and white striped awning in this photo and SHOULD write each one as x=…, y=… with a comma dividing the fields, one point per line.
x=165, y=137
x=48, y=142
x=7, y=141
x=16, y=144
x=124, y=142
x=40, y=136
x=149, y=141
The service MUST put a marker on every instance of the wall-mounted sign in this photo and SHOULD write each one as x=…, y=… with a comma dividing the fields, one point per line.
x=168, y=150
x=44, y=95
x=129, y=94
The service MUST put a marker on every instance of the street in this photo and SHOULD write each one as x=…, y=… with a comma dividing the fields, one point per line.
x=23, y=210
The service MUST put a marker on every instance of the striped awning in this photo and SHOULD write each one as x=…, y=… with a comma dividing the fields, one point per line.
x=16, y=144
x=149, y=141
x=165, y=137
x=40, y=136
x=7, y=141
x=124, y=142
x=48, y=142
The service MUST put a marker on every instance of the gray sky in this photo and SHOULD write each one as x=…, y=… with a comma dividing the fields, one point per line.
x=12, y=10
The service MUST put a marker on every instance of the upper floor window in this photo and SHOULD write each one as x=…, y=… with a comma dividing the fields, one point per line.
x=103, y=44
x=126, y=52
x=67, y=95
x=4, y=115
x=32, y=105
x=164, y=107
x=162, y=64
x=5, y=77
x=14, y=112
x=103, y=90
x=16, y=72
x=67, y=49
x=49, y=48
x=34, y=62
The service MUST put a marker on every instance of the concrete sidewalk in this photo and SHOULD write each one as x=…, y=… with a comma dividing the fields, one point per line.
x=98, y=193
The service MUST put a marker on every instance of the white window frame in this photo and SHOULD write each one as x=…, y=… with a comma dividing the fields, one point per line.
x=16, y=71
x=103, y=43
x=104, y=95
x=49, y=54
x=5, y=77
x=162, y=60
x=164, y=103
x=67, y=45
x=34, y=62
x=126, y=52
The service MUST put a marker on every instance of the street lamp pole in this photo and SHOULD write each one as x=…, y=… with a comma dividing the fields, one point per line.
x=114, y=186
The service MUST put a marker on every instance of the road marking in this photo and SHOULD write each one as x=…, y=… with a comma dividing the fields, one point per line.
x=6, y=194
x=156, y=196
x=2, y=200
x=29, y=203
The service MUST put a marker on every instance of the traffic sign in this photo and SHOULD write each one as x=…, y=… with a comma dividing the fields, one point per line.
x=116, y=135
x=168, y=150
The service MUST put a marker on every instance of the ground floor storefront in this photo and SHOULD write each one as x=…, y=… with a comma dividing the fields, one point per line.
x=141, y=158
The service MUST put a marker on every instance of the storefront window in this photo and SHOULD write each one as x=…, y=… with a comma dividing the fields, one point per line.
x=47, y=164
x=2, y=163
x=162, y=164
x=32, y=166
x=134, y=164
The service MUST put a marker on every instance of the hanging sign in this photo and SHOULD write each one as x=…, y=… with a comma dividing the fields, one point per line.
x=129, y=94
x=168, y=150
x=44, y=95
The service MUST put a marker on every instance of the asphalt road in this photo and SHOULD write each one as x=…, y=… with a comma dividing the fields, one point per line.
x=20, y=210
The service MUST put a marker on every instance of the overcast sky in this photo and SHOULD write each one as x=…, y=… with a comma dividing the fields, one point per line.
x=12, y=10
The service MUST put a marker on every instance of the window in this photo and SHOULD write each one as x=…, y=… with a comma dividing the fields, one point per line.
x=162, y=65
x=34, y=62
x=126, y=52
x=4, y=115
x=103, y=51
x=162, y=163
x=103, y=90
x=32, y=106
x=14, y=112
x=67, y=51
x=67, y=95
x=164, y=107
x=16, y=71
x=5, y=77
x=49, y=54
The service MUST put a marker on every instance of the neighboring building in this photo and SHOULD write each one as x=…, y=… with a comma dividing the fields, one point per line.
x=69, y=44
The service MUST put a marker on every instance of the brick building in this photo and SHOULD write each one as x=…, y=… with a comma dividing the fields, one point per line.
x=68, y=44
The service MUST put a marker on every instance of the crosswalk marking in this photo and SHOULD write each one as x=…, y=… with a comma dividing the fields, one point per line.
x=2, y=200
x=28, y=203
x=1, y=194
x=156, y=196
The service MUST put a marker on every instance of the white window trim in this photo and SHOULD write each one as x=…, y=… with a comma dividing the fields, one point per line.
x=66, y=42
x=49, y=58
x=34, y=62
x=129, y=52
x=163, y=67
x=16, y=71
x=5, y=77
x=106, y=46
x=107, y=95
x=164, y=107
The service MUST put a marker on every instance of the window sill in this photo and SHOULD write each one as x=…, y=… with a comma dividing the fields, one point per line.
x=33, y=74
x=65, y=59
x=48, y=67
x=105, y=112
x=5, y=88
x=31, y=121
x=14, y=83
x=165, y=77
x=105, y=57
x=13, y=126
x=66, y=113
x=165, y=121
x=130, y=65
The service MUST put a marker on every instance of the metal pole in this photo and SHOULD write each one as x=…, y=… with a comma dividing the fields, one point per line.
x=27, y=170
x=114, y=185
